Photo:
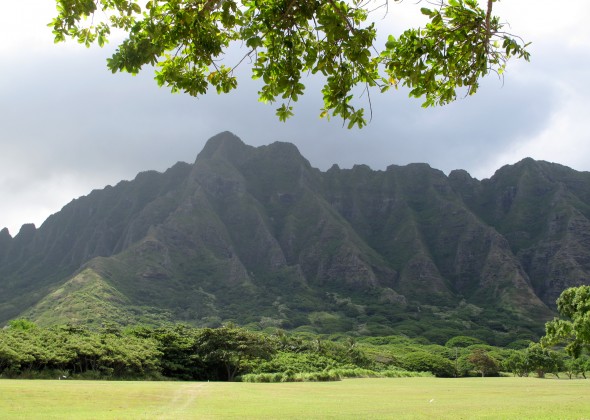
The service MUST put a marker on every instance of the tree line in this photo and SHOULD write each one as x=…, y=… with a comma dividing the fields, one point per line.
x=229, y=353
x=176, y=352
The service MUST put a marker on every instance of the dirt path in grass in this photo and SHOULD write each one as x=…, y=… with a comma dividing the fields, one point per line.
x=184, y=397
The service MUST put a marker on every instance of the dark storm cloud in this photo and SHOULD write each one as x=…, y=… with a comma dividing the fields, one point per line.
x=72, y=118
x=69, y=125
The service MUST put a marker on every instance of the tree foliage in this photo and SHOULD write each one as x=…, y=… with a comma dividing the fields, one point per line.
x=576, y=366
x=462, y=341
x=573, y=304
x=483, y=362
x=76, y=350
x=542, y=360
x=182, y=352
x=234, y=348
x=422, y=361
x=189, y=40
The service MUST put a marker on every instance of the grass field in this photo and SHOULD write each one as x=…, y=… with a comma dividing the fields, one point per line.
x=404, y=398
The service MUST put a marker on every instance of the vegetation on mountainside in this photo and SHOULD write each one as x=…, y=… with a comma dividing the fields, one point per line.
x=258, y=237
x=89, y=300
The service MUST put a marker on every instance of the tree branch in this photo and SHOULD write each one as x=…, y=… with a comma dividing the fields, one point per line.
x=489, y=18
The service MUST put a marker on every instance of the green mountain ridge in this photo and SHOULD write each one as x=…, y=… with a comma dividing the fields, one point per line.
x=260, y=237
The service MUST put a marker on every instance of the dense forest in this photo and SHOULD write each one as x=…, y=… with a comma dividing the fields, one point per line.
x=231, y=353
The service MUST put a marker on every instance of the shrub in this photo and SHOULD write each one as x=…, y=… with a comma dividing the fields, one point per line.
x=295, y=362
x=262, y=377
x=356, y=373
x=463, y=341
x=394, y=372
x=322, y=376
x=420, y=361
x=519, y=344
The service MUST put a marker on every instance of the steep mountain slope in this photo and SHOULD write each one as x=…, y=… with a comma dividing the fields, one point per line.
x=442, y=250
x=543, y=210
x=258, y=236
x=101, y=224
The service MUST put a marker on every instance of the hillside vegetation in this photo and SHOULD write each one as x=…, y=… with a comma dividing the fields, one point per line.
x=258, y=237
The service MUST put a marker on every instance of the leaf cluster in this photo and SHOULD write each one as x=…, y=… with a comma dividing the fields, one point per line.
x=574, y=304
x=189, y=41
x=461, y=44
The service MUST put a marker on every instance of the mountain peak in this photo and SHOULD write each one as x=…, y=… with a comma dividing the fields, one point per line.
x=285, y=152
x=5, y=233
x=225, y=145
x=26, y=230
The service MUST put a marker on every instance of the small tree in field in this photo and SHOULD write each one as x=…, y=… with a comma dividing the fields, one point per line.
x=517, y=363
x=483, y=362
x=574, y=367
x=541, y=360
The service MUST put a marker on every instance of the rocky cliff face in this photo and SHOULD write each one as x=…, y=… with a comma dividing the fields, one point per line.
x=542, y=210
x=258, y=236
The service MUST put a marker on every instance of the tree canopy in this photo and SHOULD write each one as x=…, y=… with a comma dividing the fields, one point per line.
x=574, y=304
x=188, y=42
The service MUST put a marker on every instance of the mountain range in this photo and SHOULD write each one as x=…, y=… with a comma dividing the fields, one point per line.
x=257, y=236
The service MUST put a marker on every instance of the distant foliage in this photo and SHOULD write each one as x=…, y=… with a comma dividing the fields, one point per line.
x=428, y=362
x=76, y=350
x=484, y=363
x=177, y=352
x=536, y=359
x=322, y=376
x=232, y=353
x=462, y=341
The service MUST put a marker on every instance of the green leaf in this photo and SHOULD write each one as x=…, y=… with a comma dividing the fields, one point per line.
x=189, y=41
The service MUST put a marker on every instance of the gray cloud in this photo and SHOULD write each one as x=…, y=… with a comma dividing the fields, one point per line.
x=69, y=125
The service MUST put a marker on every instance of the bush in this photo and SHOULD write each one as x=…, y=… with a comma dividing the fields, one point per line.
x=356, y=373
x=394, y=372
x=390, y=339
x=463, y=341
x=439, y=335
x=426, y=362
x=263, y=377
x=321, y=376
x=295, y=362
x=520, y=344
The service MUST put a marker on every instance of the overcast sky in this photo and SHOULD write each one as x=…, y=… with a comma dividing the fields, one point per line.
x=69, y=126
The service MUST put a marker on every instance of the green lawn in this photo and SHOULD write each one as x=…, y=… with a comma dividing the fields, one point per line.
x=407, y=398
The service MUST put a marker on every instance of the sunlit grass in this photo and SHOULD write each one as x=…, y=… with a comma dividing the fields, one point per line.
x=403, y=398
